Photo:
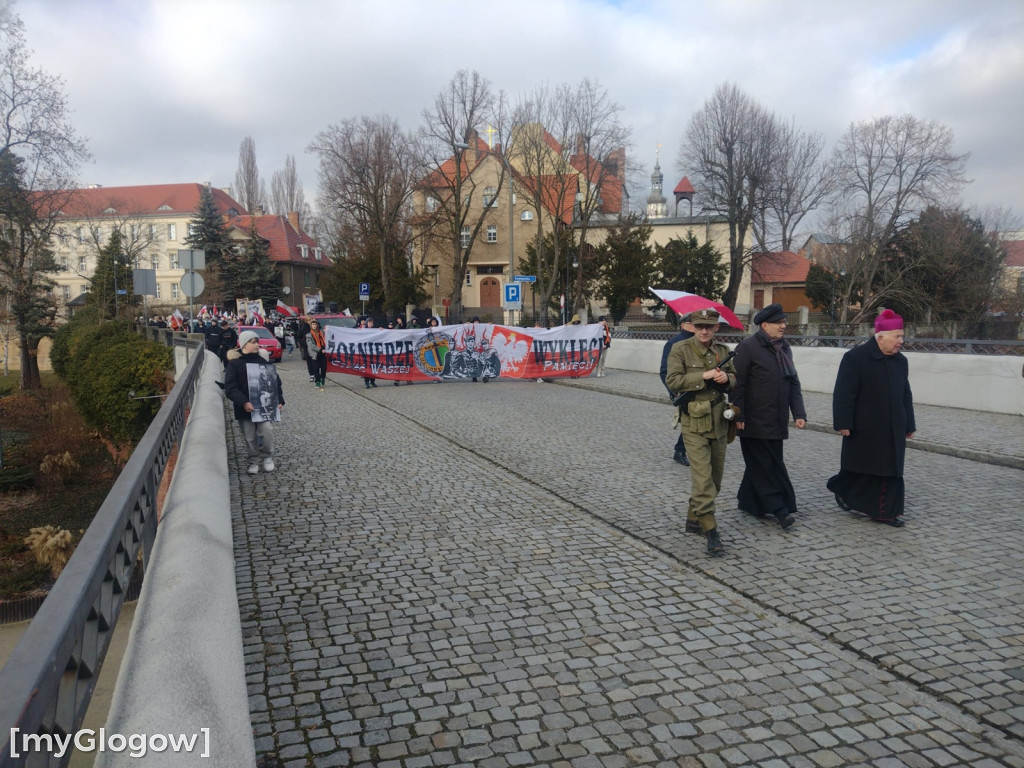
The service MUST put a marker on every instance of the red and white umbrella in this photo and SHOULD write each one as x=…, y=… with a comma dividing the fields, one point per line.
x=683, y=303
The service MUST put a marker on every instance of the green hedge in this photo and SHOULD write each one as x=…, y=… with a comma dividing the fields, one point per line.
x=103, y=365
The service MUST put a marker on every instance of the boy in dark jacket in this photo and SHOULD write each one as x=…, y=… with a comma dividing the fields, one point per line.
x=254, y=388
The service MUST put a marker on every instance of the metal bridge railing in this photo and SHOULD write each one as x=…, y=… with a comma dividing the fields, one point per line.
x=47, y=682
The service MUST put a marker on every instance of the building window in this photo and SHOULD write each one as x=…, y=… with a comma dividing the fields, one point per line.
x=464, y=237
x=469, y=276
x=62, y=235
x=66, y=289
x=172, y=231
x=83, y=289
x=489, y=194
x=173, y=259
x=155, y=260
x=97, y=234
x=192, y=229
x=318, y=254
x=526, y=216
x=304, y=250
x=158, y=290
x=492, y=234
x=136, y=232
x=81, y=263
x=152, y=232
x=174, y=290
x=79, y=234
x=305, y=278
x=136, y=263
x=63, y=262
x=431, y=203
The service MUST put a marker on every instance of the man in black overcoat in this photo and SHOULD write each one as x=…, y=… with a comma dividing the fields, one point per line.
x=873, y=409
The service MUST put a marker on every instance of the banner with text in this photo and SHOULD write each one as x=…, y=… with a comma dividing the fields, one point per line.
x=471, y=350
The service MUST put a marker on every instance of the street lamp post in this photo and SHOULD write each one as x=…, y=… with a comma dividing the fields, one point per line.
x=832, y=307
x=461, y=145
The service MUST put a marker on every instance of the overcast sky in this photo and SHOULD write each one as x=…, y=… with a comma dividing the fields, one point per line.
x=165, y=90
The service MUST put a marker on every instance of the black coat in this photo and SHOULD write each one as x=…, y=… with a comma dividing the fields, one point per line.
x=663, y=371
x=236, y=381
x=872, y=399
x=764, y=396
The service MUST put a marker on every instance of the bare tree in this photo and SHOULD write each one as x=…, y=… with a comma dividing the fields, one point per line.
x=367, y=170
x=451, y=147
x=599, y=154
x=888, y=170
x=539, y=149
x=250, y=188
x=801, y=181
x=730, y=147
x=286, y=195
x=39, y=155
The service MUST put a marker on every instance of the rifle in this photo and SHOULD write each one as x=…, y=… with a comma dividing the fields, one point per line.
x=682, y=399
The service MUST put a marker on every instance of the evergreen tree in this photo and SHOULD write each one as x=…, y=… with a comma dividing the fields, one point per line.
x=113, y=272
x=209, y=233
x=250, y=274
x=625, y=265
x=687, y=266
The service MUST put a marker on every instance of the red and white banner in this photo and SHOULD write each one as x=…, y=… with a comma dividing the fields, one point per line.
x=465, y=351
x=285, y=310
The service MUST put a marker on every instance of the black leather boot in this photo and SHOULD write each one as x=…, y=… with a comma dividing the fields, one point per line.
x=715, y=548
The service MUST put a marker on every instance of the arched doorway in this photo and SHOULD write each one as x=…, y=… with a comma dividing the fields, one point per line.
x=490, y=292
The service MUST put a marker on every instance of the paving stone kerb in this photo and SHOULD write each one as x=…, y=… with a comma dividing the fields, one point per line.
x=497, y=575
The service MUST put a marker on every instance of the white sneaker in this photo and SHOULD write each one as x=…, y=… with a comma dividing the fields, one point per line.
x=268, y=464
x=254, y=468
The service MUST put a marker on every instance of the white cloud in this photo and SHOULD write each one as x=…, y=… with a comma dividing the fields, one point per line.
x=167, y=89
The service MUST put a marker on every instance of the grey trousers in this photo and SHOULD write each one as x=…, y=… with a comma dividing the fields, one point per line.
x=252, y=434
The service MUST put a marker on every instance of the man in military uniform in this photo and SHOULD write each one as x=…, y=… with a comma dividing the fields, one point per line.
x=692, y=368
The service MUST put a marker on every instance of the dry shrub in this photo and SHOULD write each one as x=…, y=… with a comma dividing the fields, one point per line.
x=59, y=466
x=51, y=547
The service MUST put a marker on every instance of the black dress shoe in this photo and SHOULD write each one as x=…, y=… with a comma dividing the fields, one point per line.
x=896, y=522
x=786, y=520
x=681, y=458
x=842, y=503
x=692, y=526
x=715, y=548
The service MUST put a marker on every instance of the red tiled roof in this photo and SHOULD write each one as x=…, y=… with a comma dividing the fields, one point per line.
x=777, y=268
x=1014, y=253
x=177, y=199
x=684, y=187
x=284, y=240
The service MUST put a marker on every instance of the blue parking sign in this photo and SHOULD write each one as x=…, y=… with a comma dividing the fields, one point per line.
x=364, y=291
x=513, y=295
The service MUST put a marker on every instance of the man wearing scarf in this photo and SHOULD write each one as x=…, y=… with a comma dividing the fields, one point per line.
x=767, y=390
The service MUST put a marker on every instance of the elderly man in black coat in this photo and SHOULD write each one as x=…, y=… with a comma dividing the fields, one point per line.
x=873, y=409
x=767, y=390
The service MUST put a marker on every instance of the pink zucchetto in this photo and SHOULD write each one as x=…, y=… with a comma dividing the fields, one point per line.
x=888, y=320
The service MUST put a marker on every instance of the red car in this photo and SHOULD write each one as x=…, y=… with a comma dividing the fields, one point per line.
x=267, y=341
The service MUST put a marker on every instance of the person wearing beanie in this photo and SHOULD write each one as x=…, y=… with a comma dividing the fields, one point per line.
x=873, y=409
x=767, y=390
x=252, y=385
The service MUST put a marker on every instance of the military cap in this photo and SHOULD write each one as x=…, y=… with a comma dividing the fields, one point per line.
x=705, y=317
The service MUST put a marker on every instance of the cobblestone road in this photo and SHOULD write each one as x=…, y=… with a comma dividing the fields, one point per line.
x=497, y=575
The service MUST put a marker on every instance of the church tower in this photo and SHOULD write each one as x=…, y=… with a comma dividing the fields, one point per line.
x=656, y=204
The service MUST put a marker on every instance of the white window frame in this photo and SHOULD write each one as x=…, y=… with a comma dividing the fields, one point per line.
x=464, y=238
x=469, y=276
x=431, y=203
x=174, y=290
x=304, y=250
x=66, y=291
x=157, y=291
x=152, y=232
x=492, y=234
x=490, y=197
x=173, y=259
x=81, y=264
x=155, y=261
x=172, y=232
x=318, y=254
x=526, y=216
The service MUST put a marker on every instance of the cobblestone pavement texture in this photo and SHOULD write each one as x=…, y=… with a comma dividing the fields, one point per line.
x=497, y=575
